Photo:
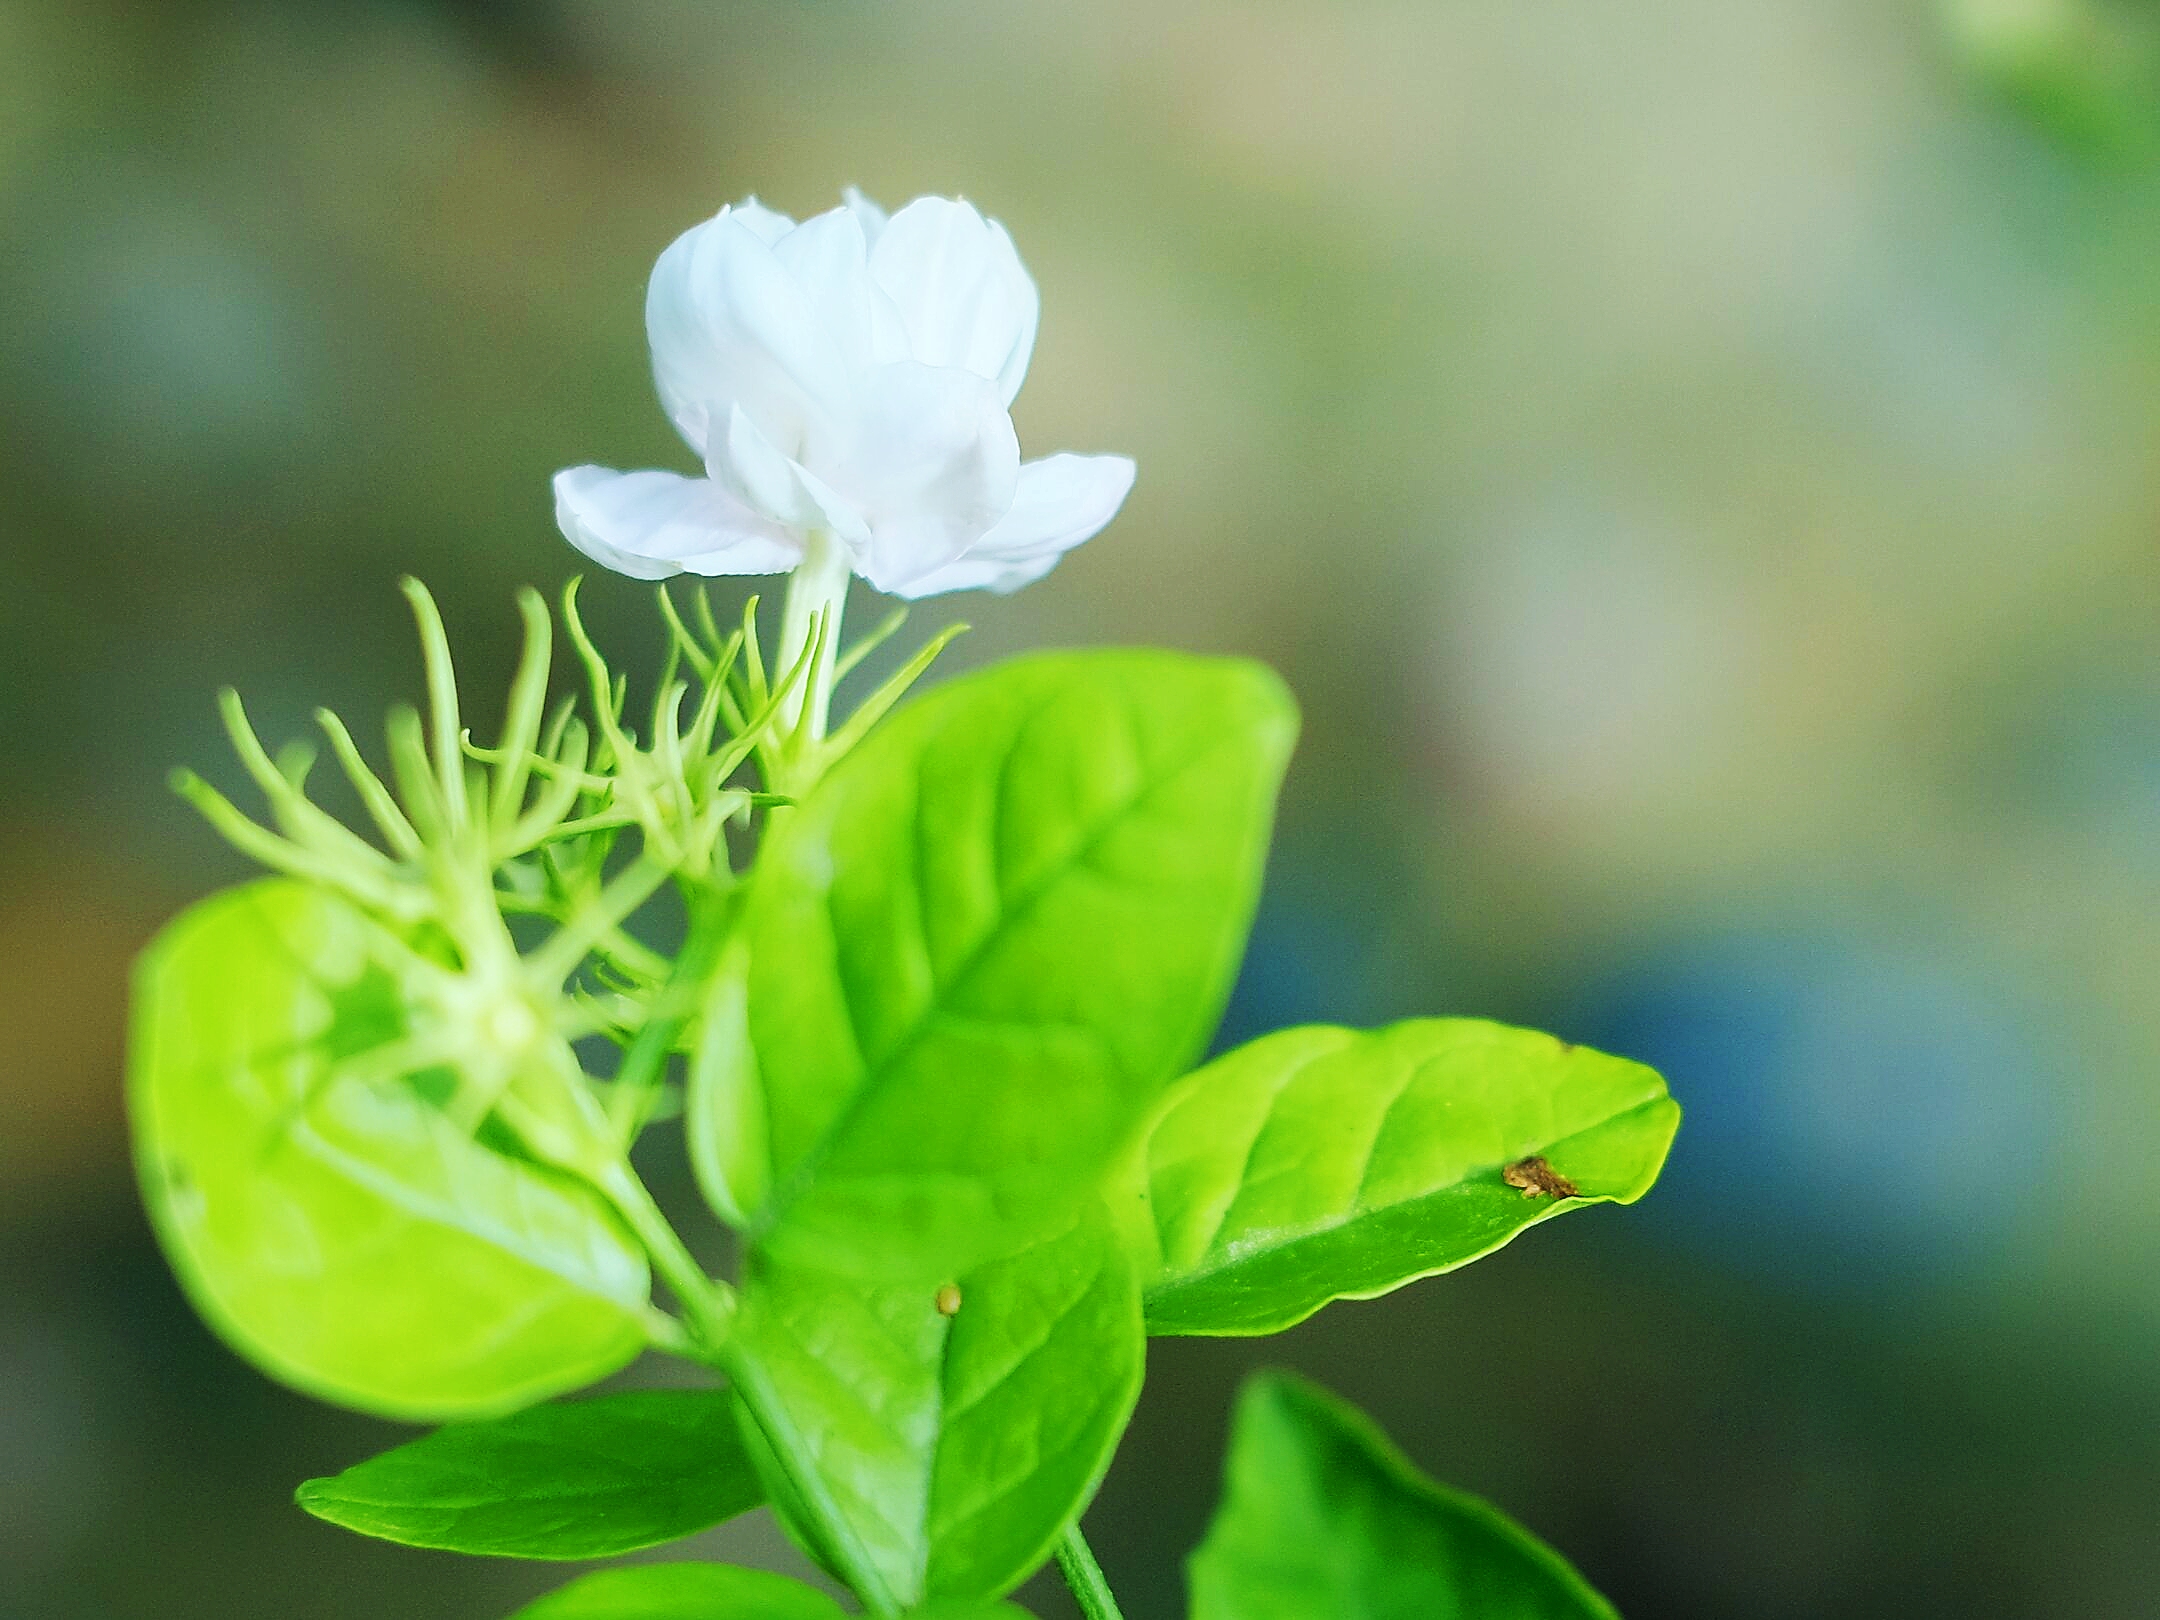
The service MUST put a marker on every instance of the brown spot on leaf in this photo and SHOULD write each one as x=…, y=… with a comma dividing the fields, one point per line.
x=1537, y=1179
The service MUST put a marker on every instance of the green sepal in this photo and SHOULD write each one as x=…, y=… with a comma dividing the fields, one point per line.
x=333, y=1224
x=573, y=1479
x=1323, y=1163
x=979, y=949
x=1323, y=1519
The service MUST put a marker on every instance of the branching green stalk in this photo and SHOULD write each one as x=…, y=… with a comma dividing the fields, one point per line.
x=282, y=855
x=559, y=956
x=526, y=713
x=880, y=633
x=644, y=1065
x=418, y=791
x=297, y=817
x=1076, y=1562
x=397, y=832
x=878, y=703
x=445, y=727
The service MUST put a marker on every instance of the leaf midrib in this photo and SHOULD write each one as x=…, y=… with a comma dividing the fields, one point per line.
x=777, y=1204
x=1359, y=1210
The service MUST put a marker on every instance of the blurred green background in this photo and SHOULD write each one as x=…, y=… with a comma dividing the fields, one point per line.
x=1699, y=464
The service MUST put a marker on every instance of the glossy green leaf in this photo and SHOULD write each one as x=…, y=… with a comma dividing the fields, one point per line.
x=683, y=1592
x=1324, y=1163
x=333, y=1224
x=1323, y=1519
x=958, y=1447
x=979, y=950
x=575, y=1479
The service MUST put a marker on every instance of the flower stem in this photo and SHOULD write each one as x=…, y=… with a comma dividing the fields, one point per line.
x=709, y=1314
x=1076, y=1561
x=817, y=588
x=851, y=1560
x=708, y=1306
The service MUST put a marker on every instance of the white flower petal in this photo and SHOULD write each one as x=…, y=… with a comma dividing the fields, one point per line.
x=962, y=291
x=729, y=326
x=1020, y=288
x=849, y=375
x=868, y=214
x=746, y=464
x=769, y=223
x=973, y=573
x=651, y=525
x=830, y=261
x=933, y=464
x=1059, y=502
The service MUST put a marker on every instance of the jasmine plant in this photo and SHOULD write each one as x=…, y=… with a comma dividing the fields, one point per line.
x=929, y=999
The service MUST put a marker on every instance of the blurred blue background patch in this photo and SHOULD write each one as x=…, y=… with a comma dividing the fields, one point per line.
x=1856, y=1116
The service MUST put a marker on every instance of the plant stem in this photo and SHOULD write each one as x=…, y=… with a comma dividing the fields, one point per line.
x=1076, y=1561
x=818, y=586
x=848, y=1554
x=709, y=1310
x=708, y=1306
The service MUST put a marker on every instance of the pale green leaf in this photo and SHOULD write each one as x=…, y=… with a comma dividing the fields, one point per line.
x=979, y=950
x=1323, y=1519
x=957, y=1448
x=1324, y=1163
x=683, y=1592
x=573, y=1479
x=333, y=1225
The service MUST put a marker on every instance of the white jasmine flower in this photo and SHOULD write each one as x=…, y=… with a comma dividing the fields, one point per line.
x=847, y=382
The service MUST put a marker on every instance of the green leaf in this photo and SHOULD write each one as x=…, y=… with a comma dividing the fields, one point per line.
x=683, y=1592
x=577, y=1479
x=332, y=1224
x=1324, y=1163
x=979, y=950
x=956, y=1448
x=716, y=1592
x=1323, y=1519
